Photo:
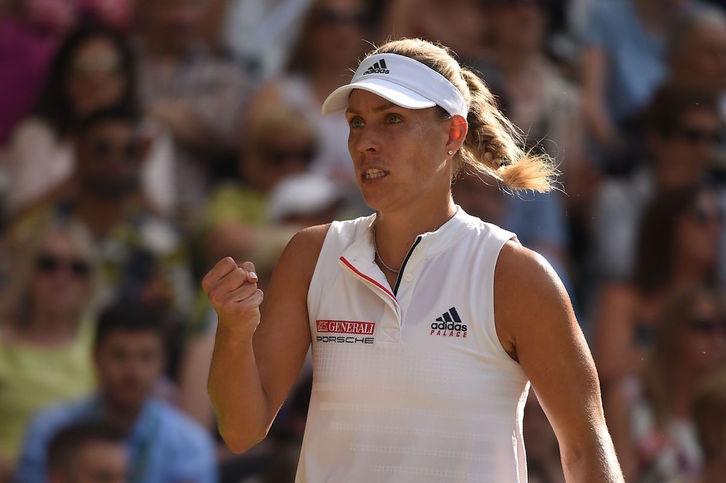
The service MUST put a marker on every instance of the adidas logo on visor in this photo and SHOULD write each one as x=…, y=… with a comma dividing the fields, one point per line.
x=378, y=68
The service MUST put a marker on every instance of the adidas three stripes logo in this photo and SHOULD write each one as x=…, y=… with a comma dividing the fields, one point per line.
x=449, y=325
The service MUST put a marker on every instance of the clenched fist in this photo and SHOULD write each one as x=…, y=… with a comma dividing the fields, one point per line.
x=232, y=290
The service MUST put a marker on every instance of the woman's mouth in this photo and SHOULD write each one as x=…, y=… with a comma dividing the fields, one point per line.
x=373, y=173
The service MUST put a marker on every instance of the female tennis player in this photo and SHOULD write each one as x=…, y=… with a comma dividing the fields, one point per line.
x=427, y=325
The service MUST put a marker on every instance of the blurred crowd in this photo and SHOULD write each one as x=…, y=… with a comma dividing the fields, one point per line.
x=140, y=142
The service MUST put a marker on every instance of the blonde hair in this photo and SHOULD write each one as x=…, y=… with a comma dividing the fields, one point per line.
x=16, y=305
x=493, y=143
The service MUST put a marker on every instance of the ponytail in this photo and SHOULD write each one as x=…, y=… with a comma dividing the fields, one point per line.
x=493, y=144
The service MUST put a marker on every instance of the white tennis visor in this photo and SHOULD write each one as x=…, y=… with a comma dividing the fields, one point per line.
x=403, y=81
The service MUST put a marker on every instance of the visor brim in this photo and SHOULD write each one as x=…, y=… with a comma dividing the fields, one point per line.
x=395, y=93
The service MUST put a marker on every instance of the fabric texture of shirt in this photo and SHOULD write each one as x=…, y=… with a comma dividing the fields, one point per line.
x=411, y=383
x=165, y=445
x=32, y=378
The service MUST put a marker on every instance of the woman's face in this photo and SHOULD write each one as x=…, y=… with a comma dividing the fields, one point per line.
x=698, y=231
x=60, y=282
x=703, y=343
x=518, y=24
x=399, y=155
x=691, y=147
x=703, y=57
x=95, y=77
x=338, y=31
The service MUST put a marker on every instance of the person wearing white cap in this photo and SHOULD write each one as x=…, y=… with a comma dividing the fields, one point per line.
x=427, y=325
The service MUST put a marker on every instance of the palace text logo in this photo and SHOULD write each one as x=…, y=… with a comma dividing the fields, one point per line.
x=449, y=325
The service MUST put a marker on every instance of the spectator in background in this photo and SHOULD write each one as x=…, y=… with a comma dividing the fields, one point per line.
x=279, y=141
x=142, y=253
x=677, y=247
x=697, y=58
x=651, y=417
x=462, y=25
x=260, y=33
x=199, y=96
x=709, y=413
x=93, y=69
x=681, y=131
x=45, y=342
x=330, y=42
x=87, y=453
x=623, y=63
x=697, y=51
x=30, y=31
x=165, y=446
x=538, y=100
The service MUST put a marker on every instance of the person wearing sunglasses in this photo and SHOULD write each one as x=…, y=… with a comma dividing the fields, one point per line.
x=652, y=415
x=329, y=42
x=93, y=69
x=143, y=256
x=45, y=342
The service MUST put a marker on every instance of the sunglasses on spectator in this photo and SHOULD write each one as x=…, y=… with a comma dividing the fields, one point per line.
x=695, y=135
x=707, y=326
x=330, y=16
x=281, y=157
x=130, y=150
x=48, y=264
x=704, y=216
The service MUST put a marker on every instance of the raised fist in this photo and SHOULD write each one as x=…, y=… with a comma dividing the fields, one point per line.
x=232, y=290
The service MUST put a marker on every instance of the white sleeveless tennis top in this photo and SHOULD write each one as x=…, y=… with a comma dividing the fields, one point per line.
x=411, y=383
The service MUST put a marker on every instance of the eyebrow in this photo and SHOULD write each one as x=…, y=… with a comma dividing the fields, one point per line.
x=382, y=107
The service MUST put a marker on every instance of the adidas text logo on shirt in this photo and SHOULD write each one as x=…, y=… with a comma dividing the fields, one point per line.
x=449, y=325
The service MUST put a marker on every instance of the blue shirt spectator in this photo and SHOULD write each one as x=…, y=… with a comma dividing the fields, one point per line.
x=635, y=55
x=165, y=446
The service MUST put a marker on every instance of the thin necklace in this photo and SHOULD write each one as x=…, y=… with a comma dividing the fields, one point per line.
x=378, y=255
x=385, y=265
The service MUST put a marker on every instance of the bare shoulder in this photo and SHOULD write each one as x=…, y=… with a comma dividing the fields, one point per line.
x=528, y=295
x=304, y=247
x=524, y=275
x=297, y=262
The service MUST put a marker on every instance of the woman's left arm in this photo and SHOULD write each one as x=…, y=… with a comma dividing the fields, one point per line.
x=537, y=326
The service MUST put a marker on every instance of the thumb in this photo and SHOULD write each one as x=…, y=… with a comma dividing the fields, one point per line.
x=249, y=267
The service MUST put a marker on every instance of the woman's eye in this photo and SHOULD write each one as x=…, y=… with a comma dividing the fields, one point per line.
x=356, y=122
x=393, y=119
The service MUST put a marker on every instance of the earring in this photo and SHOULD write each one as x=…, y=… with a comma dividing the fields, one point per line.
x=450, y=152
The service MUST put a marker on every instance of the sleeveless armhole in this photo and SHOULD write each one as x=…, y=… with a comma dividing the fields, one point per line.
x=499, y=237
x=315, y=288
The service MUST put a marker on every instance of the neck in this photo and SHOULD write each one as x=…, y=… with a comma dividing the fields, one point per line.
x=396, y=232
x=687, y=273
x=121, y=417
x=684, y=386
x=50, y=326
x=100, y=213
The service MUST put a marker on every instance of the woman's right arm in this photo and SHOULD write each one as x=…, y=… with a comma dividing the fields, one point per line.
x=258, y=356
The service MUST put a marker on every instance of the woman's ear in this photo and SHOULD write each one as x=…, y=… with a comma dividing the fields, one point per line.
x=458, y=129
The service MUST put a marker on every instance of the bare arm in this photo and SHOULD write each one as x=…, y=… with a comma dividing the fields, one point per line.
x=253, y=367
x=537, y=326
